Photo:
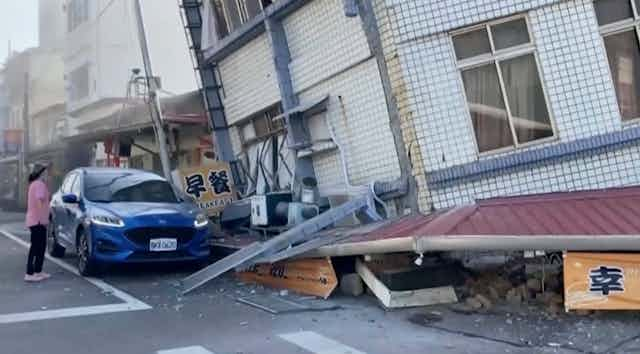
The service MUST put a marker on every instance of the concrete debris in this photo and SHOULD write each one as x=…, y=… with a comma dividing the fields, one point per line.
x=473, y=303
x=534, y=285
x=513, y=284
x=486, y=303
x=351, y=284
x=514, y=297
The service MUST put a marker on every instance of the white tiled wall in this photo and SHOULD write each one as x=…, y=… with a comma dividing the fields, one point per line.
x=330, y=56
x=357, y=112
x=322, y=42
x=613, y=168
x=574, y=71
x=436, y=99
x=416, y=19
x=249, y=80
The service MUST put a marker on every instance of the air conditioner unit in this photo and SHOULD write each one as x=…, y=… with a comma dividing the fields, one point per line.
x=301, y=212
x=263, y=209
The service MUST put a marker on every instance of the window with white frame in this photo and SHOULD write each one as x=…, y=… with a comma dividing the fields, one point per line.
x=619, y=22
x=261, y=126
x=231, y=14
x=77, y=13
x=503, y=88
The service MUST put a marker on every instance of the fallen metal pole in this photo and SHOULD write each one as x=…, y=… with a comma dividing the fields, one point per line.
x=479, y=243
x=247, y=256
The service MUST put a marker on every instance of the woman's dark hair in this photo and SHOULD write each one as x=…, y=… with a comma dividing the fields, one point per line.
x=36, y=174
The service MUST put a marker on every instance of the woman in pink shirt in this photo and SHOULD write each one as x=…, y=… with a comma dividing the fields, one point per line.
x=37, y=222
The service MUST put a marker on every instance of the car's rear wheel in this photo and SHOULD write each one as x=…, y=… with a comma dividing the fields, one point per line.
x=55, y=250
x=86, y=265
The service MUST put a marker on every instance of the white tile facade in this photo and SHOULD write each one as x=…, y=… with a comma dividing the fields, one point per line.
x=574, y=72
x=612, y=168
x=330, y=56
x=323, y=42
x=357, y=112
x=249, y=80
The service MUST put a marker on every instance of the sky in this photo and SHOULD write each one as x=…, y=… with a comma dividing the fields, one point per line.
x=18, y=24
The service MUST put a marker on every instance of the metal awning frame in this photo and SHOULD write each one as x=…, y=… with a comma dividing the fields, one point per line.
x=479, y=243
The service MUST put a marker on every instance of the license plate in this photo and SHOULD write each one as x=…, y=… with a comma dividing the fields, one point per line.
x=163, y=244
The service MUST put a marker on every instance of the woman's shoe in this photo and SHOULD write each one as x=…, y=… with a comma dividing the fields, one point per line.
x=43, y=275
x=32, y=278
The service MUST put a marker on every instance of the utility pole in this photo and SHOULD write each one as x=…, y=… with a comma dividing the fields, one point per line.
x=26, y=141
x=154, y=100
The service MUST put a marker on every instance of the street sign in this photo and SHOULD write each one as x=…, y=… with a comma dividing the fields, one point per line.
x=602, y=281
x=306, y=276
x=211, y=186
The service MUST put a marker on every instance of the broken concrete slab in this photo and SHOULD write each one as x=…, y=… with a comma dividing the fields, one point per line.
x=351, y=284
x=410, y=298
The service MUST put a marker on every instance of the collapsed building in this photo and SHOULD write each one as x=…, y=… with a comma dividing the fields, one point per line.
x=342, y=113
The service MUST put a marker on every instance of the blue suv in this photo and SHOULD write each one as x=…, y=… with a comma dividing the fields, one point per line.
x=113, y=215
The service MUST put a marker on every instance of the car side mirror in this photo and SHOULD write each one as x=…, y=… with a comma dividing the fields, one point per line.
x=70, y=199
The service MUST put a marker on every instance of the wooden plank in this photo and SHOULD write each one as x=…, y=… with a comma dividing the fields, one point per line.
x=410, y=298
x=306, y=276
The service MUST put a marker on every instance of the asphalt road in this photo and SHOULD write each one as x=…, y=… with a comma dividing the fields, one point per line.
x=138, y=310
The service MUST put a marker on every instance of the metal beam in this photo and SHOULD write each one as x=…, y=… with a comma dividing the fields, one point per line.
x=210, y=82
x=296, y=125
x=371, y=30
x=307, y=230
x=251, y=29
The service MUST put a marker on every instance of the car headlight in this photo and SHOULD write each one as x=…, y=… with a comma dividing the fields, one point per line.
x=201, y=221
x=110, y=221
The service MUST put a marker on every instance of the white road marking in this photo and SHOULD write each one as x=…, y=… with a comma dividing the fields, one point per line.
x=130, y=302
x=318, y=344
x=187, y=350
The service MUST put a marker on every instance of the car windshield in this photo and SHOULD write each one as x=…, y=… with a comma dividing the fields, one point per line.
x=127, y=187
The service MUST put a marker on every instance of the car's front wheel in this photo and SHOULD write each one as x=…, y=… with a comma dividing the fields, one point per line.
x=55, y=250
x=86, y=265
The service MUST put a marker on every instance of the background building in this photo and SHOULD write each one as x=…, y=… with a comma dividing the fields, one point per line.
x=4, y=112
x=101, y=50
x=52, y=24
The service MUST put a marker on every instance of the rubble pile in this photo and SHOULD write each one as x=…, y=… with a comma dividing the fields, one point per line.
x=513, y=284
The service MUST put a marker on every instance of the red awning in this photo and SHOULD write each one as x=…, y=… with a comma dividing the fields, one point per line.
x=597, y=220
x=600, y=212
